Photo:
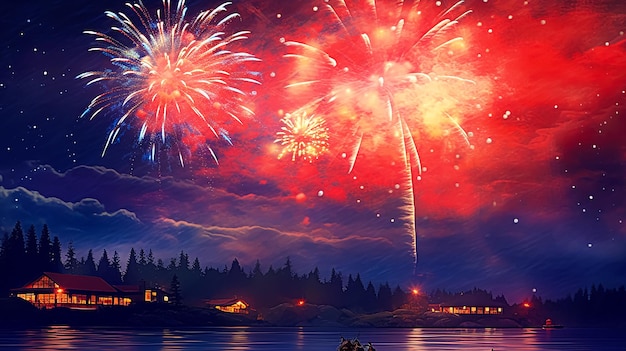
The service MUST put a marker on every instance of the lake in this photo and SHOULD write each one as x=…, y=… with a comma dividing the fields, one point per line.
x=310, y=339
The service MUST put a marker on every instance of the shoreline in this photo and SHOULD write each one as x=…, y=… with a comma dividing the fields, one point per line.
x=22, y=314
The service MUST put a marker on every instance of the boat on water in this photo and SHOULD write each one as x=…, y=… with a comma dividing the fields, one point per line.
x=550, y=325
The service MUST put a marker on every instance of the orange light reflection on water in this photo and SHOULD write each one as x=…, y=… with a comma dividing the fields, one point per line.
x=472, y=339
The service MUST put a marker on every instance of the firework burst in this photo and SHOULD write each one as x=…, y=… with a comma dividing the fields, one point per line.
x=177, y=81
x=370, y=66
x=303, y=136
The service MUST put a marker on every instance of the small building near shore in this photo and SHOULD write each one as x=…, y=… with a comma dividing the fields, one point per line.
x=232, y=305
x=144, y=294
x=471, y=304
x=73, y=291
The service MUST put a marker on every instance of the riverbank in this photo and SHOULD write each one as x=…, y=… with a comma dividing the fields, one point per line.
x=17, y=312
x=329, y=316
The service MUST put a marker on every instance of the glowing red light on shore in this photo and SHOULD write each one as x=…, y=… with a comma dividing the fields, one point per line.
x=526, y=304
x=300, y=302
x=415, y=291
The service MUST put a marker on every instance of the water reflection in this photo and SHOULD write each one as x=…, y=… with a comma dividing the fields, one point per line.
x=51, y=338
x=478, y=339
x=171, y=340
x=239, y=340
x=414, y=339
x=310, y=339
x=300, y=339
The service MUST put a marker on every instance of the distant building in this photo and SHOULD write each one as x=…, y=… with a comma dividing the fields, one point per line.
x=232, y=305
x=143, y=294
x=52, y=290
x=470, y=304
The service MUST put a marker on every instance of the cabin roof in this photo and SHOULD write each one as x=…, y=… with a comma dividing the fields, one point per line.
x=127, y=288
x=78, y=282
x=225, y=302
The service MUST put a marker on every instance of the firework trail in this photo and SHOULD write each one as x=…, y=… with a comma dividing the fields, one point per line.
x=303, y=136
x=176, y=80
x=366, y=58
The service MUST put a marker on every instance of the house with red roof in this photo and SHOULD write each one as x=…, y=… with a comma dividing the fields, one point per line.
x=52, y=290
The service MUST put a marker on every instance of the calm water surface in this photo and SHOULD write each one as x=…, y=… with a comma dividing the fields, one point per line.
x=310, y=339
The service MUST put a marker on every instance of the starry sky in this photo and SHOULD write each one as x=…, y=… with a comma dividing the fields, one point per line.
x=532, y=202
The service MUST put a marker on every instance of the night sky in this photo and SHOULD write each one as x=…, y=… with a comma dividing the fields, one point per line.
x=534, y=201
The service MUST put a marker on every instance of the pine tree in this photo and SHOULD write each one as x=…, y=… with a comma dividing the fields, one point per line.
x=14, y=257
x=15, y=248
x=31, y=244
x=398, y=297
x=235, y=278
x=335, y=289
x=172, y=265
x=149, y=270
x=31, y=264
x=287, y=270
x=89, y=266
x=384, y=297
x=132, y=274
x=313, y=289
x=256, y=272
x=175, y=290
x=183, y=261
x=160, y=265
x=150, y=258
x=285, y=279
x=71, y=263
x=336, y=280
x=116, y=268
x=235, y=269
x=56, y=264
x=103, y=266
x=195, y=268
x=5, y=269
x=4, y=246
x=355, y=292
x=142, y=258
x=370, y=304
x=45, y=249
x=257, y=284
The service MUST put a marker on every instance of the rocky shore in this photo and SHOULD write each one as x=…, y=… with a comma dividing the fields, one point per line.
x=19, y=313
x=329, y=316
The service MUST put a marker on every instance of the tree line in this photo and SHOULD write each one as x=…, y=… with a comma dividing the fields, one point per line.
x=23, y=257
x=598, y=306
